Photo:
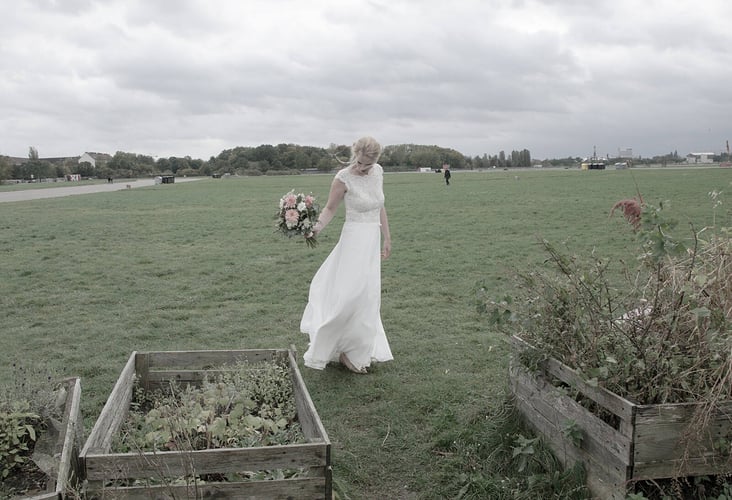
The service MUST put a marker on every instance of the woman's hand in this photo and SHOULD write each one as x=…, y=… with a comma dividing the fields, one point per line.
x=386, y=250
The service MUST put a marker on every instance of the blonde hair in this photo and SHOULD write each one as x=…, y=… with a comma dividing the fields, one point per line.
x=366, y=147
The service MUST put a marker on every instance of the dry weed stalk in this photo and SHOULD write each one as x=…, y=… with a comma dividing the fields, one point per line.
x=717, y=292
x=632, y=209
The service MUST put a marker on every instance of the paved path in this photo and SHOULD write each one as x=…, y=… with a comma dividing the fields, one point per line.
x=55, y=192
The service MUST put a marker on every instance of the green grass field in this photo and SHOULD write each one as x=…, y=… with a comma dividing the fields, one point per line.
x=86, y=280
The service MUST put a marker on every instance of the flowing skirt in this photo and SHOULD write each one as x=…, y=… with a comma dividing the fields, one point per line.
x=343, y=314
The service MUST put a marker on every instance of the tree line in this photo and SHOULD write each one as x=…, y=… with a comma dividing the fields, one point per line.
x=264, y=159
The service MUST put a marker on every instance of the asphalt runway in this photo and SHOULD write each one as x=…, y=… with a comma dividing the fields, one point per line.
x=70, y=190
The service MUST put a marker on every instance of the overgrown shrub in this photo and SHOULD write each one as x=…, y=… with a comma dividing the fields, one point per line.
x=656, y=332
x=657, y=329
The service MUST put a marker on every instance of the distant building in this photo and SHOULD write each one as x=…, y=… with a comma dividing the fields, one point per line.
x=700, y=158
x=86, y=157
x=625, y=153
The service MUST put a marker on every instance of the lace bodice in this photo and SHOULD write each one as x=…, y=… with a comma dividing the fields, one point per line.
x=365, y=194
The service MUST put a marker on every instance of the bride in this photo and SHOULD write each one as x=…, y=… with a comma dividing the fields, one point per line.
x=343, y=314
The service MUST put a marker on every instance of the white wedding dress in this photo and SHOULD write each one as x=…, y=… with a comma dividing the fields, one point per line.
x=343, y=314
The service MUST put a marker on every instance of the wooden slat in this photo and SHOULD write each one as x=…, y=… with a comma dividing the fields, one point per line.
x=615, y=404
x=209, y=359
x=662, y=434
x=68, y=467
x=53, y=495
x=222, y=460
x=309, y=419
x=306, y=414
x=696, y=466
x=603, y=480
x=299, y=488
x=161, y=379
x=113, y=413
x=598, y=438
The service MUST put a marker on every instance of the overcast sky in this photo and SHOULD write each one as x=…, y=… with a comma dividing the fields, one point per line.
x=193, y=77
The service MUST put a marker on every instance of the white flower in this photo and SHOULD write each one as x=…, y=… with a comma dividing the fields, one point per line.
x=301, y=207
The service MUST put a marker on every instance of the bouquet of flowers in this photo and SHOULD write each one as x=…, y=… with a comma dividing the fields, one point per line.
x=297, y=215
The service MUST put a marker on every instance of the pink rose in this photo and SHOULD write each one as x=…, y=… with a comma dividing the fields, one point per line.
x=309, y=201
x=292, y=217
x=290, y=200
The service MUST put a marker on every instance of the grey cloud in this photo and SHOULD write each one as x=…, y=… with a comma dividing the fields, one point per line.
x=478, y=76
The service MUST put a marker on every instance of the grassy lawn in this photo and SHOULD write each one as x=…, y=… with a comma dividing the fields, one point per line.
x=86, y=280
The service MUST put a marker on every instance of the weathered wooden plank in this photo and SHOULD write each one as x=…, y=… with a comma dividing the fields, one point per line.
x=210, y=359
x=114, y=411
x=547, y=409
x=310, y=422
x=680, y=412
x=662, y=433
x=162, y=379
x=615, y=404
x=221, y=460
x=300, y=488
x=51, y=495
x=68, y=472
x=694, y=466
x=66, y=445
x=598, y=437
x=605, y=480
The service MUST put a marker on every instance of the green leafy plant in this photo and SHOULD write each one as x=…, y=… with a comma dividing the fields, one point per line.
x=572, y=432
x=17, y=432
x=243, y=405
x=29, y=403
x=523, y=451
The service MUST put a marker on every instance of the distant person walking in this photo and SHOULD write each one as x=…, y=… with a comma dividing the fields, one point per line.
x=446, y=169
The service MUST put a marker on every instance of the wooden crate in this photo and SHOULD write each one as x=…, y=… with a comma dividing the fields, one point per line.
x=156, y=369
x=646, y=442
x=67, y=445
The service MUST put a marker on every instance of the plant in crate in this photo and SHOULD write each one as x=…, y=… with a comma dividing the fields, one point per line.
x=238, y=406
x=657, y=332
x=32, y=414
x=201, y=423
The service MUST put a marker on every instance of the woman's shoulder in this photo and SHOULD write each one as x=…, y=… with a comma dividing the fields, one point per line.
x=342, y=174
